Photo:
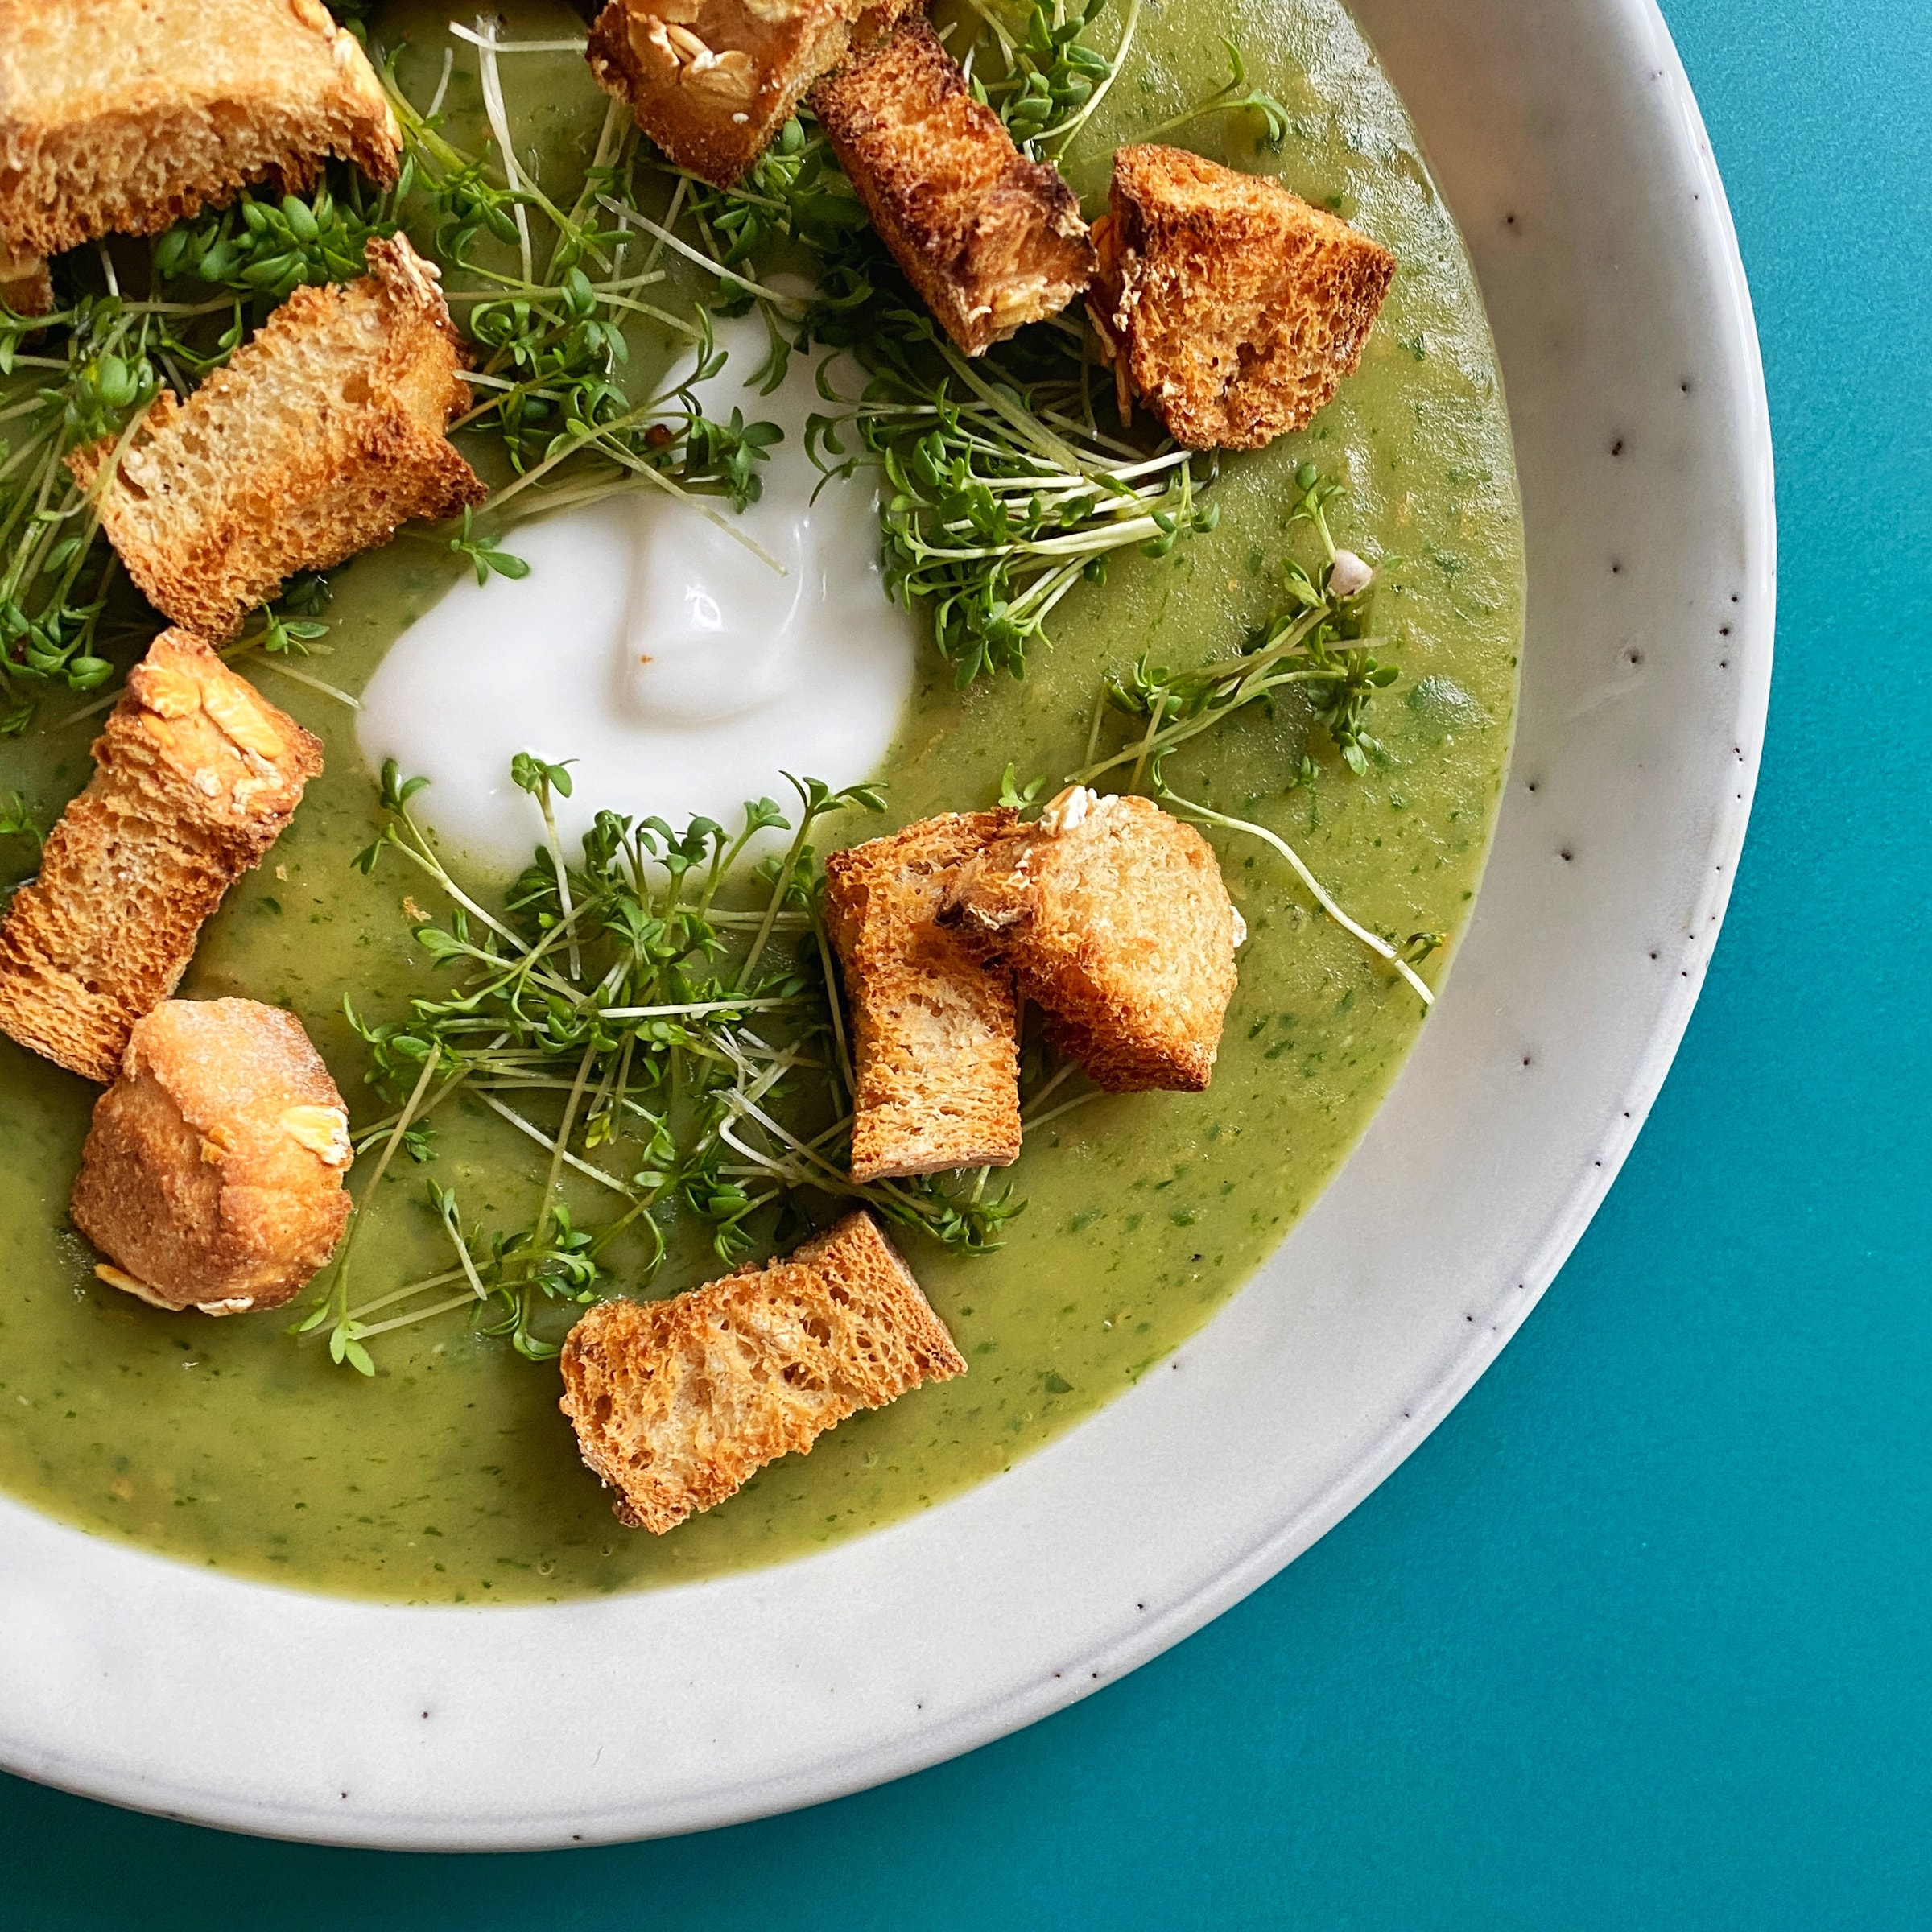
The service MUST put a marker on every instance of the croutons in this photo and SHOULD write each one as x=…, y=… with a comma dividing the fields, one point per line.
x=1229, y=305
x=1112, y=916
x=711, y=81
x=990, y=239
x=195, y=775
x=25, y=286
x=676, y=1403
x=320, y=436
x=211, y=1177
x=126, y=116
x=934, y=1033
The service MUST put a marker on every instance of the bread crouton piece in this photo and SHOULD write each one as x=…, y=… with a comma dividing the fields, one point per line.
x=991, y=240
x=25, y=286
x=1228, y=305
x=211, y=1177
x=677, y=1403
x=195, y=775
x=711, y=81
x=127, y=116
x=934, y=1033
x=322, y=435
x=1113, y=917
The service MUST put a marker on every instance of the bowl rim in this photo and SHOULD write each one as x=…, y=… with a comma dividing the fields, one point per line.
x=41, y=1737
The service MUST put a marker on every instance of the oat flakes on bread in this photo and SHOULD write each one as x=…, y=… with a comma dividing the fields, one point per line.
x=1113, y=917
x=195, y=774
x=322, y=435
x=211, y=1177
x=713, y=81
x=677, y=1403
x=1226, y=304
x=124, y=117
x=990, y=240
x=935, y=1035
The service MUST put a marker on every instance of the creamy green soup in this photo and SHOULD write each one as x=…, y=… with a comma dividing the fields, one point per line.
x=451, y=1476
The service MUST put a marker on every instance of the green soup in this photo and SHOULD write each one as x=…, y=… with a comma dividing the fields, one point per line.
x=451, y=1476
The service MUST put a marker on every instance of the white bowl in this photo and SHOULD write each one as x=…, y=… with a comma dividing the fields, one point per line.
x=1567, y=139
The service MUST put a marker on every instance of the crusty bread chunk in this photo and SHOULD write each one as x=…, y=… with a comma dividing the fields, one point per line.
x=322, y=435
x=211, y=1177
x=711, y=81
x=677, y=1403
x=990, y=239
x=1229, y=305
x=1113, y=917
x=25, y=286
x=934, y=1033
x=126, y=116
x=195, y=775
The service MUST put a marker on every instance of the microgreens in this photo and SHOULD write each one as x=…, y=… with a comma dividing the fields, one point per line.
x=659, y=1018
x=1317, y=646
x=1234, y=96
x=485, y=554
x=18, y=827
x=1046, y=83
x=999, y=499
x=1317, y=649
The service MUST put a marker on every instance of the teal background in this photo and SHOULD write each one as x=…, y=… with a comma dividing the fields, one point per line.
x=1639, y=1637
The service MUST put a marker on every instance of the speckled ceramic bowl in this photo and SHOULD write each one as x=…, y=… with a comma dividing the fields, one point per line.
x=1568, y=143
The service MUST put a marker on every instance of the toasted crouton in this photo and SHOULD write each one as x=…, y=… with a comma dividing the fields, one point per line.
x=211, y=1177
x=321, y=436
x=195, y=775
x=1113, y=917
x=934, y=1033
x=676, y=1403
x=711, y=81
x=25, y=286
x=126, y=116
x=990, y=239
x=1229, y=305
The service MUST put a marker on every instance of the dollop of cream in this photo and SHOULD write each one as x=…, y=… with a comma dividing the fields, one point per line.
x=682, y=672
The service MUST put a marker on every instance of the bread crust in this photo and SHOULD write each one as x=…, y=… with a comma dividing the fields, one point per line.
x=25, y=286
x=322, y=435
x=935, y=1035
x=990, y=240
x=127, y=116
x=713, y=81
x=677, y=1403
x=195, y=774
x=211, y=1177
x=1229, y=305
x=1112, y=915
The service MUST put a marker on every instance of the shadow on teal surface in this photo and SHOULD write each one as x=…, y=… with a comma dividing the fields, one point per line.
x=1639, y=1637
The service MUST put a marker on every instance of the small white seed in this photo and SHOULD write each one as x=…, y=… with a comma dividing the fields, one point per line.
x=166, y=693
x=241, y=719
x=140, y=1290
x=323, y=1130
x=651, y=44
x=729, y=76
x=1350, y=575
x=1069, y=810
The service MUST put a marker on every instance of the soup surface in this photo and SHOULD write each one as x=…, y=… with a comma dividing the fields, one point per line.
x=451, y=1476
